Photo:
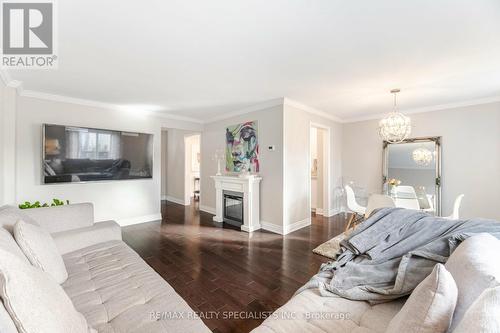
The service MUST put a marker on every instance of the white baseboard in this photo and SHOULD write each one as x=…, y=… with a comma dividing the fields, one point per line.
x=139, y=219
x=333, y=212
x=297, y=225
x=177, y=201
x=245, y=228
x=277, y=229
x=207, y=209
x=164, y=197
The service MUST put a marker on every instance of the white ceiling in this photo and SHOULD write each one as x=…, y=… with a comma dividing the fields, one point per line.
x=203, y=58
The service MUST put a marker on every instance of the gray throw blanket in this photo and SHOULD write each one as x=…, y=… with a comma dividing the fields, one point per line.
x=391, y=252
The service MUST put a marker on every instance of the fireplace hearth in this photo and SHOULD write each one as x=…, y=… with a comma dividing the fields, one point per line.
x=237, y=201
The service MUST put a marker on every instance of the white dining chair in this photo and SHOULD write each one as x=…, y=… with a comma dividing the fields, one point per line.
x=356, y=209
x=406, y=197
x=455, y=215
x=378, y=201
x=430, y=202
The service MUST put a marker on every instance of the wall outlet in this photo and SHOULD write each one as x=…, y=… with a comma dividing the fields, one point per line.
x=271, y=148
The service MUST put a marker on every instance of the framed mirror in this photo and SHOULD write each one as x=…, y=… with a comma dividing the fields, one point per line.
x=412, y=173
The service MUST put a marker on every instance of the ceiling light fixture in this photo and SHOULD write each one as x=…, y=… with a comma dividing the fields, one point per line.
x=395, y=127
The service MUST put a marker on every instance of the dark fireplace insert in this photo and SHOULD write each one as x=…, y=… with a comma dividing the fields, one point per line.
x=233, y=208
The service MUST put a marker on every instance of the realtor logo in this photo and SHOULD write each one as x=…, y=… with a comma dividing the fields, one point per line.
x=28, y=35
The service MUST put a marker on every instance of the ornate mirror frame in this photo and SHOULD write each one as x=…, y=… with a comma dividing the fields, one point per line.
x=437, y=142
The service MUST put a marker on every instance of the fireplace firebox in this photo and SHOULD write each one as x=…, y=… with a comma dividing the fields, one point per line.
x=233, y=208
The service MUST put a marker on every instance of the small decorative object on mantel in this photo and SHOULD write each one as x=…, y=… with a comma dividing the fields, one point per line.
x=395, y=127
x=218, y=156
x=242, y=148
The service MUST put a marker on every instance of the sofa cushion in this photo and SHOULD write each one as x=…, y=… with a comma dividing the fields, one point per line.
x=311, y=312
x=430, y=307
x=35, y=302
x=9, y=215
x=474, y=267
x=118, y=292
x=40, y=249
x=483, y=315
x=72, y=240
x=62, y=218
x=7, y=243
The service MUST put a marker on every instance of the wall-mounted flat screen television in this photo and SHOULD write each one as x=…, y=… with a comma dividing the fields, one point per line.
x=77, y=154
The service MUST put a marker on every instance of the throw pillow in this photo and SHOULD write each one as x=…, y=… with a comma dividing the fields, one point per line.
x=7, y=243
x=474, y=267
x=429, y=309
x=40, y=249
x=34, y=301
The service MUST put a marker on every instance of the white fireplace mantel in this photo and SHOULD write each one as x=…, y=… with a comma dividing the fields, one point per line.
x=249, y=186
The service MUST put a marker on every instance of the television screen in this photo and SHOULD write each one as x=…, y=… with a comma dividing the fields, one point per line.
x=78, y=154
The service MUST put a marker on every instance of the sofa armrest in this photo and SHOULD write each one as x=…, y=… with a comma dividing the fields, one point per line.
x=75, y=239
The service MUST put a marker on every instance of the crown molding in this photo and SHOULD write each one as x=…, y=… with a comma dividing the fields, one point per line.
x=272, y=103
x=256, y=107
x=308, y=109
x=66, y=99
x=18, y=85
x=440, y=107
x=95, y=104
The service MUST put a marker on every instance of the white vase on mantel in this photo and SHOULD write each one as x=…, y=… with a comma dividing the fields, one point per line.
x=218, y=168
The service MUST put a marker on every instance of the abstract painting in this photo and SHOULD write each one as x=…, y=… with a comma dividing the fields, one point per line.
x=242, y=148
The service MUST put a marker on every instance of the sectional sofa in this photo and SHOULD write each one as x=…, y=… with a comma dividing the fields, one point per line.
x=107, y=282
x=115, y=291
x=468, y=301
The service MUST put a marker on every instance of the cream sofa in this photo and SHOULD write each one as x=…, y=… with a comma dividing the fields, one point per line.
x=108, y=282
x=474, y=267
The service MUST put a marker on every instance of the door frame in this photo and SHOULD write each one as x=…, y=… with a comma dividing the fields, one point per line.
x=327, y=162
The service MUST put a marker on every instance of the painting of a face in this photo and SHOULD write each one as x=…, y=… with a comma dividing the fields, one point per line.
x=242, y=148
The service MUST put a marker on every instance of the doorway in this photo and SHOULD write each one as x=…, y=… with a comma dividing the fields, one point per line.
x=192, y=168
x=319, y=170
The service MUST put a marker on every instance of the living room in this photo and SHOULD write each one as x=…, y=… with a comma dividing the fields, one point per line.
x=240, y=166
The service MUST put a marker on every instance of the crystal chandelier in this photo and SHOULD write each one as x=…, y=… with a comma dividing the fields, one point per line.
x=422, y=156
x=395, y=127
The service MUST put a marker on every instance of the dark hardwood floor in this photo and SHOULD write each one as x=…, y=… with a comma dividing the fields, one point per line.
x=221, y=271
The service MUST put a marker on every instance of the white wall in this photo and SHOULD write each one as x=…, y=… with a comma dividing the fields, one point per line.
x=127, y=201
x=270, y=132
x=297, y=174
x=470, y=161
x=8, y=143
